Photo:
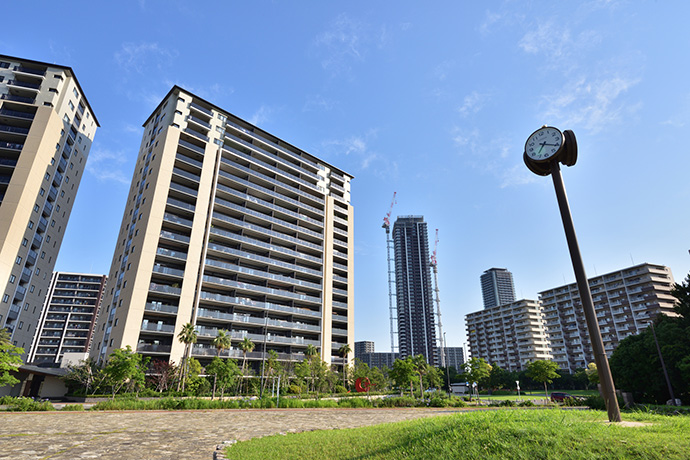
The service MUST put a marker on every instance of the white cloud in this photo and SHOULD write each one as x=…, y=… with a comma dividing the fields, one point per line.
x=441, y=71
x=361, y=156
x=473, y=103
x=591, y=103
x=557, y=44
x=318, y=103
x=136, y=57
x=261, y=116
x=107, y=166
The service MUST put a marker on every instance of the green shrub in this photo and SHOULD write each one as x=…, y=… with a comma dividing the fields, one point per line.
x=355, y=402
x=526, y=403
x=73, y=407
x=26, y=404
x=402, y=401
x=294, y=389
x=292, y=403
x=438, y=401
x=507, y=403
x=458, y=402
x=340, y=389
x=595, y=402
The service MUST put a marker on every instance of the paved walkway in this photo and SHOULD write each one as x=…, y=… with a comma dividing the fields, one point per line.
x=159, y=435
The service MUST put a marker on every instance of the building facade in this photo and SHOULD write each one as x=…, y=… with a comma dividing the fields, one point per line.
x=625, y=301
x=455, y=357
x=416, y=318
x=364, y=346
x=228, y=227
x=46, y=131
x=497, y=287
x=68, y=317
x=509, y=335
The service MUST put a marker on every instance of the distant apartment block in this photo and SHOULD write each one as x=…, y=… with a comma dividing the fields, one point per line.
x=455, y=357
x=365, y=352
x=625, y=301
x=497, y=287
x=362, y=347
x=509, y=335
x=68, y=317
x=46, y=131
x=228, y=227
x=416, y=318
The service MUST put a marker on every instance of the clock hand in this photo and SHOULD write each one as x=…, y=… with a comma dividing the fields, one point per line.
x=542, y=147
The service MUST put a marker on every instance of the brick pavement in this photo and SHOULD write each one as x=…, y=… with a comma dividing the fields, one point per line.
x=160, y=435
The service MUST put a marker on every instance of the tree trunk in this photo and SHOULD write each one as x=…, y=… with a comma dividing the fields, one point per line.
x=215, y=377
x=546, y=392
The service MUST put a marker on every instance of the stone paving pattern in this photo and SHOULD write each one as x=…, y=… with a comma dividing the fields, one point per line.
x=161, y=435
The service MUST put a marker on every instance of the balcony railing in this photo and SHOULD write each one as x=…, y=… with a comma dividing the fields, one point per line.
x=155, y=327
x=24, y=84
x=153, y=348
x=201, y=109
x=261, y=305
x=14, y=129
x=19, y=68
x=164, y=288
x=192, y=147
x=160, y=307
x=257, y=288
x=12, y=97
x=8, y=162
x=267, y=260
x=17, y=114
x=11, y=145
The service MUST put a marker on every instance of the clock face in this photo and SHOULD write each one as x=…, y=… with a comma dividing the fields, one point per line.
x=544, y=144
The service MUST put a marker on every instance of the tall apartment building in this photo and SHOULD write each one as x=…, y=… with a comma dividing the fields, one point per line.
x=455, y=357
x=229, y=227
x=497, y=287
x=46, y=131
x=68, y=317
x=510, y=335
x=625, y=301
x=365, y=352
x=416, y=320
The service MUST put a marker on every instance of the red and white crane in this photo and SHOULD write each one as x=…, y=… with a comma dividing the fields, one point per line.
x=392, y=307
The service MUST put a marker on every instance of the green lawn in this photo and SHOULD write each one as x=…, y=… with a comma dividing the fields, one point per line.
x=499, y=434
x=537, y=395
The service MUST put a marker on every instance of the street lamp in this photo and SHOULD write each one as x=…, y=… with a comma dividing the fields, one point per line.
x=544, y=149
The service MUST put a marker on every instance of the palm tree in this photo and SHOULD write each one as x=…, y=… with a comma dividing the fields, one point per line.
x=187, y=336
x=344, y=351
x=310, y=352
x=246, y=345
x=421, y=368
x=222, y=341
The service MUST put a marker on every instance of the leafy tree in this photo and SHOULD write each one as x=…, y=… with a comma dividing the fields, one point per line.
x=543, y=371
x=270, y=367
x=87, y=375
x=222, y=341
x=421, y=368
x=10, y=359
x=403, y=373
x=592, y=373
x=162, y=374
x=311, y=352
x=637, y=355
x=125, y=367
x=477, y=370
x=187, y=336
x=225, y=374
x=499, y=378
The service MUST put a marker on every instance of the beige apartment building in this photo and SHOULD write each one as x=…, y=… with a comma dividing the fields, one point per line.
x=46, y=131
x=229, y=228
x=625, y=301
x=68, y=317
x=510, y=335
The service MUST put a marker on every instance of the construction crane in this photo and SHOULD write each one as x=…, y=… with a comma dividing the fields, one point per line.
x=434, y=268
x=392, y=307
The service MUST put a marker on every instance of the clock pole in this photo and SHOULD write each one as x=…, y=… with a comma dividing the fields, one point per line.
x=605, y=378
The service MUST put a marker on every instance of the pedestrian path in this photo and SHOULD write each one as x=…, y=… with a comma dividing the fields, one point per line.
x=162, y=435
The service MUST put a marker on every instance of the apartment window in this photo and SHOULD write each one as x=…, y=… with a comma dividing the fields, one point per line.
x=111, y=343
x=43, y=254
x=35, y=208
x=25, y=242
x=47, y=176
x=26, y=307
x=42, y=192
x=128, y=265
x=12, y=278
x=175, y=125
x=53, y=90
x=58, y=76
x=21, y=324
x=180, y=99
x=38, y=271
x=48, y=239
x=32, y=288
x=71, y=166
x=31, y=224
x=76, y=94
x=48, y=104
x=66, y=118
x=71, y=105
x=62, y=194
x=5, y=298
x=4, y=65
x=2, y=79
x=66, y=180
x=18, y=261
x=116, y=321
x=57, y=208
x=52, y=223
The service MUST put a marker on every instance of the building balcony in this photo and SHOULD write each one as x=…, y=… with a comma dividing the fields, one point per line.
x=14, y=98
x=194, y=148
x=242, y=301
x=172, y=254
x=199, y=122
x=165, y=289
x=160, y=308
x=153, y=348
x=11, y=146
x=174, y=272
x=196, y=134
x=22, y=132
x=156, y=327
x=29, y=71
x=16, y=114
x=267, y=260
x=33, y=87
x=203, y=110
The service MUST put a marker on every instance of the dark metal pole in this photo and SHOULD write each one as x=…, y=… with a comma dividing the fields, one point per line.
x=605, y=378
x=663, y=366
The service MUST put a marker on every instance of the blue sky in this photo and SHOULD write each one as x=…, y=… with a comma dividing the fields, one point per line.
x=433, y=100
